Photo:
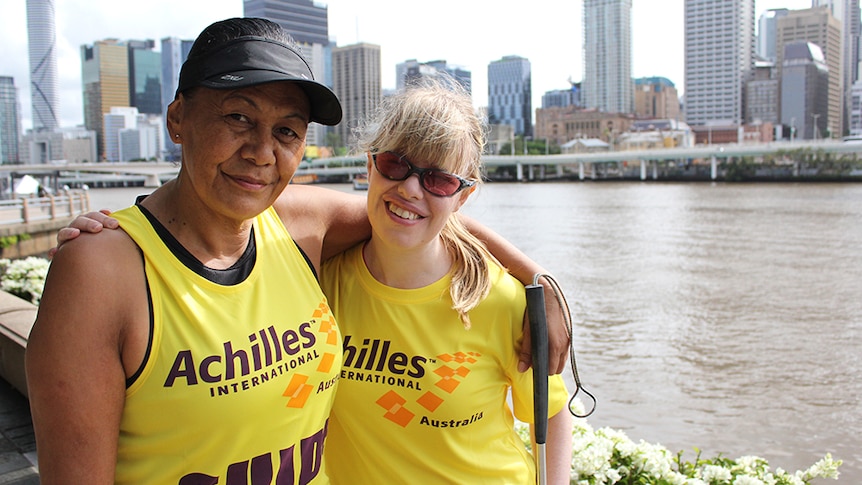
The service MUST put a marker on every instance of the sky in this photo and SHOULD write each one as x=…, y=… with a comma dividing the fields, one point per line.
x=464, y=33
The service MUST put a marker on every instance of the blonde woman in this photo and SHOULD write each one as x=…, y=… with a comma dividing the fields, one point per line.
x=431, y=322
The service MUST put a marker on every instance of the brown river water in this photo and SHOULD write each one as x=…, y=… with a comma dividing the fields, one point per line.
x=723, y=317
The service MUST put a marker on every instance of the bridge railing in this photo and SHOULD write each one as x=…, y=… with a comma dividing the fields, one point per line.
x=25, y=210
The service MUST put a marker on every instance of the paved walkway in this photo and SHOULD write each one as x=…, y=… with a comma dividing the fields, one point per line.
x=17, y=443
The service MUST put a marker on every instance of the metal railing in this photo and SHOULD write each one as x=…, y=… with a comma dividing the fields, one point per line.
x=25, y=210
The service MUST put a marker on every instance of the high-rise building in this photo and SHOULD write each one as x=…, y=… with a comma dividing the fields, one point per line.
x=105, y=79
x=140, y=141
x=73, y=145
x=847, y=12
x=356, y=75
x=510, y=94
x=804, y=93
x=855, y=120
x=767, y=30
x=411, y=70
x=10, y=121
x=607, y=83
x=656, y=97
x=42, y=46
x=174, y=52
x=817, y=26
x=308, y=24
x=719, y=57
x=118, y=119
x=560, y=98
x=463, y=76
x=145, y=76
x=762, y=95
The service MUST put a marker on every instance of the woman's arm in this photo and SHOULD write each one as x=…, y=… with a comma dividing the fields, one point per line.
x=323, y=222
x=523, y=268
x=91, y=222
x=74, y=361
x=558, y=448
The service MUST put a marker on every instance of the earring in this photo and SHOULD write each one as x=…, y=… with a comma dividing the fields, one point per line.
x=177, y=136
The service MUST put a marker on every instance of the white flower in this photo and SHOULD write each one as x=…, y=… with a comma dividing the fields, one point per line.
x=747, y=480
x=607, y=456
x=825, y=468
x=793, y=480
x=712, y=473
x=24, y=277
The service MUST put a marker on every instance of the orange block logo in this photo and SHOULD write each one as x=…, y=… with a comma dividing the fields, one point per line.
x=327, y=323
x=395, y=410
x=297, y=391
x=326, y=362
x=462, y=358
x=322, y=309
x=447, y=380
x=331, y=333
x=430, y=401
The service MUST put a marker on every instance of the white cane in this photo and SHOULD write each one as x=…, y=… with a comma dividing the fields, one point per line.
x=539, y=345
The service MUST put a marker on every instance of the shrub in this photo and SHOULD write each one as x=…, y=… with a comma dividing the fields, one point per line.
x=607, y=456
x=24, y=278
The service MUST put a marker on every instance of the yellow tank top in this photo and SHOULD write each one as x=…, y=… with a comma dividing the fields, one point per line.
x=239, y=379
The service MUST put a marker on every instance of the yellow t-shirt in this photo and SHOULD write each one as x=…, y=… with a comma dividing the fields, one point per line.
x=421, y=399
x=239, y=381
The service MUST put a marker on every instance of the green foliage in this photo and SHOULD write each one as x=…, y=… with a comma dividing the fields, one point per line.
x=24, y=278
x=534, y=147
x=739, y=169
x=8, y=241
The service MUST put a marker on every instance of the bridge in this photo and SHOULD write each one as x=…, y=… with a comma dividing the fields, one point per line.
x=647, y=159
x=152, y=173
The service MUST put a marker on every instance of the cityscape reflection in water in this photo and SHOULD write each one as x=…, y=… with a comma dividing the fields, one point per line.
x=723, y=317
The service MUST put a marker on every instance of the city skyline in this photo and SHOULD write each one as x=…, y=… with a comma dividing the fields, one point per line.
x=555, y=53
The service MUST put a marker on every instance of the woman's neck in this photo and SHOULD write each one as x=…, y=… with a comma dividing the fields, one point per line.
x=214, y=241
x=410, y=268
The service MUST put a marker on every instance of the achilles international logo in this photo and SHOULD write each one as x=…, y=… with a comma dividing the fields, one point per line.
x=304, y=355
x=451, y=372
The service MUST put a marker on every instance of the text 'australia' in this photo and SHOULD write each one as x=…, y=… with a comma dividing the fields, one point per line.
x=451, y=423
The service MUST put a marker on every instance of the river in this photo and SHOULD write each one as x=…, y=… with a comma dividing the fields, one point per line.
x=723, y=317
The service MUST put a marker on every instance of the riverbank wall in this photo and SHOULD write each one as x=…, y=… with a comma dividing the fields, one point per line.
x=16, y=320
x=18, y=462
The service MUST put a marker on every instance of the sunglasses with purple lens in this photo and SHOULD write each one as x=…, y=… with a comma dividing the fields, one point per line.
x=437, y=182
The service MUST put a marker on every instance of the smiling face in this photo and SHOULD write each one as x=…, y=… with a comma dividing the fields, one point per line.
x=240, y=147
x=404, y=216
